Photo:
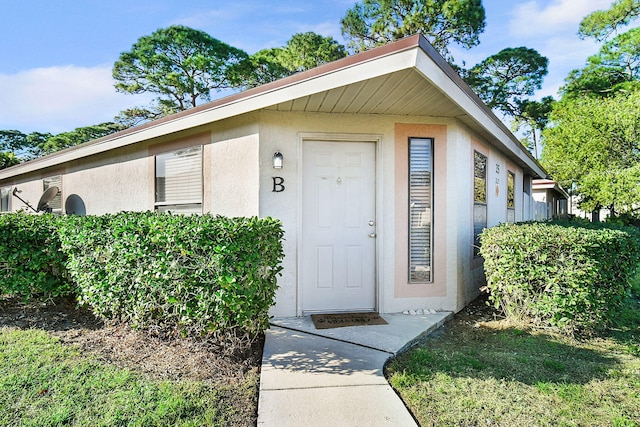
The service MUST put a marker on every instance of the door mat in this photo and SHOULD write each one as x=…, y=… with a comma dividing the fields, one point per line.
x=339, y=320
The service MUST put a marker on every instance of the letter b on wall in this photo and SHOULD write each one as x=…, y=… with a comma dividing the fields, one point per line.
x=278, y=184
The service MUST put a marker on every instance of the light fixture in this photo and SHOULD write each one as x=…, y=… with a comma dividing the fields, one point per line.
x=277, y=160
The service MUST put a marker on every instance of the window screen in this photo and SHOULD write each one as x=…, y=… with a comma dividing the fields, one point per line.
x=54, y=181
x=5, y=196
x=420, y=209
x=179, y=181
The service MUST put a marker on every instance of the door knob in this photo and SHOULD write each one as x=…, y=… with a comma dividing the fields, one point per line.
x=372, y=223
x=372, y=235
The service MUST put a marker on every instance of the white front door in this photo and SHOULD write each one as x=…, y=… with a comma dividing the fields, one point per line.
x=338, y=249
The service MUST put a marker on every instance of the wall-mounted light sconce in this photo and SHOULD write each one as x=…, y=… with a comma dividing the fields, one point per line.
x=277, y=160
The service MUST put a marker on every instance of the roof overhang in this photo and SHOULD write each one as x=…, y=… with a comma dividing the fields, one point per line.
x=378, y=81
x=547, y=184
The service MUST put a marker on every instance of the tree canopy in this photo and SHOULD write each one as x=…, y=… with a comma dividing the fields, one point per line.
x=592, y=144
x=302, y=52
x=504, y=79
x=603, y=23
x=17, y=147
x=78, y=136
x=184, y=66
x=7, y=159
x=615, y=67
x=20, y=147
x=532, y=118
x=308, y=50
x=593, y=147
x=179, y=64
x=371, y=23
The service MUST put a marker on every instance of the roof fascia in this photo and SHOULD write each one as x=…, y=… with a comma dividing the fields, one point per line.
x=414, y=51
x=434, y=68
x=387, y=59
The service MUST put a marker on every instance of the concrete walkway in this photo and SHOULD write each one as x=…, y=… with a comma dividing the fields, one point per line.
x=334, y=377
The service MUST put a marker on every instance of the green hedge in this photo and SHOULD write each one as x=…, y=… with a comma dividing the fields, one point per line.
x=564, y=274
x=31, y=263
x=189, y=275
x=192, y=275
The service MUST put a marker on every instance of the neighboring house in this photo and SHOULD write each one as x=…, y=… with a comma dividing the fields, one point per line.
x=382, y=166
x=551, y=200
x=575, y=211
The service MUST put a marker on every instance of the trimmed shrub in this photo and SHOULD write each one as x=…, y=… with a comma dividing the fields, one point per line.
x=31, y=263
x=625, y=219
x=190, y=275
x=564, y=274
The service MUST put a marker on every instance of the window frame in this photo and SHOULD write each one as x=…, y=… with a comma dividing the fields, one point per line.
x=427, y=274
x=511, y=196
x=479, y=204
x=5, y=207
x=185, y=206
x=526, y=184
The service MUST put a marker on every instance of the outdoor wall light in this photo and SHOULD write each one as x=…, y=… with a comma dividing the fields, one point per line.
x=277, y=160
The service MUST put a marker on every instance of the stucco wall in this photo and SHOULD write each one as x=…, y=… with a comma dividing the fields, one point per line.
x=441, y=290
x=107, y=184
x=234, y=177
x=284, y=132
x=30, y=191
x=124, y=179
x=457, y=276
x=239, y=181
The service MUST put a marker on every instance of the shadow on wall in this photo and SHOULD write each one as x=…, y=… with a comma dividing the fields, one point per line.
x=74, y=205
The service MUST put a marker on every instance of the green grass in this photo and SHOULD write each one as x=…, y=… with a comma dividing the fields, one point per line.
x=45, y=383
x=495, y=374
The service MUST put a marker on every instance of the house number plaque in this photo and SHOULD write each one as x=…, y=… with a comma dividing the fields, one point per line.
x=278, y=184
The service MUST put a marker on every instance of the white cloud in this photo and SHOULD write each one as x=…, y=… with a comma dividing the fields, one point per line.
x=536, y=18
x=252, y=25
x=569, y=52
x=61, y=98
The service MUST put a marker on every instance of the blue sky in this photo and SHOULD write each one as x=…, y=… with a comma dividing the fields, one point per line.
x=56, y=55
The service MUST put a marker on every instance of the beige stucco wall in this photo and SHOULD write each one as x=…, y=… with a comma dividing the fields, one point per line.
x=441, y=291
x=233, y=174
x=107, y=186
x=30, y=190
x=238, y=181
x=284, y=132
x=457, y=276
x=124, y=179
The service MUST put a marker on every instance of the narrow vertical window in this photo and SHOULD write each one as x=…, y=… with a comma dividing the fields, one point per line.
x=420, y=209
x=526, y=184
x=479, y=199
x=511, y=197
x=54, y=181
x=179, y=181
x=5, y=196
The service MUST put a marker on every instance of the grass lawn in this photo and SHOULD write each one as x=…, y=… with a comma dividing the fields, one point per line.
x=44, y=382
x=482, y=371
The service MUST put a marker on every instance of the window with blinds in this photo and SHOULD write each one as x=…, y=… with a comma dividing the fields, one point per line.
x=179, y=181
x=5, y=197
x=420, y=209
x=479, y=199
x=54, y=181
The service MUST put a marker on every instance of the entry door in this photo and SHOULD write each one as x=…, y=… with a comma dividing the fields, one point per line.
x=338, y=270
